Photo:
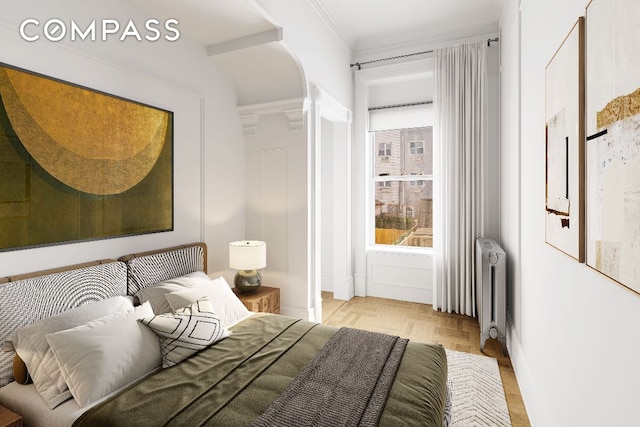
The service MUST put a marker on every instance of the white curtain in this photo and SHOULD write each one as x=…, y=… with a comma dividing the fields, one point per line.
x=460, y=140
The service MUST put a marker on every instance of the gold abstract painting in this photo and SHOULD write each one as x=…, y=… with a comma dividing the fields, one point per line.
x=77, y=164
x=613, y=140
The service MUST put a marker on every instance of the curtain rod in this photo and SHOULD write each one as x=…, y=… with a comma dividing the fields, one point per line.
x=410, y=104
x=360, y=64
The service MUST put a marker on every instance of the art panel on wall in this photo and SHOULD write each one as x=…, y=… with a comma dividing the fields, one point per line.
x=77, y=164
x=613, y=140
x=564, y=107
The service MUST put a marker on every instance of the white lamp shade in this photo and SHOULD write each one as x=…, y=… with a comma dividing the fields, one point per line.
x=247, y=255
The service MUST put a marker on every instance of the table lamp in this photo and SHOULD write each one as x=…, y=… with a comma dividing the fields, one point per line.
x=247, y=256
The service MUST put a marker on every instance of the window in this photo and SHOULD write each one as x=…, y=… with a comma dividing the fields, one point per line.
x=384, y=149
x=416, y=147
x=404, y=187
x=416, y=183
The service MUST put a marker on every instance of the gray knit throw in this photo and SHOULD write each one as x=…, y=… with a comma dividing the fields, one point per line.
x=346, y=384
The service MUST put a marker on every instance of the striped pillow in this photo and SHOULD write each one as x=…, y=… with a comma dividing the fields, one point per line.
x=186, y=331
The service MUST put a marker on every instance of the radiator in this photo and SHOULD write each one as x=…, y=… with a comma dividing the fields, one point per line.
x=491, y=291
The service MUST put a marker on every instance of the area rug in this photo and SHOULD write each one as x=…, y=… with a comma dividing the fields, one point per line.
x=476, y=391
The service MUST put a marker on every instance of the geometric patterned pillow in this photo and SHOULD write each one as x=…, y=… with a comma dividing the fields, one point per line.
x=186, y=331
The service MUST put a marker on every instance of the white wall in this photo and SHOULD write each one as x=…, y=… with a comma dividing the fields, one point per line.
x=331, y=128
x=277, y=209
x=263, y=73
x=510, y=153
x=328, y=181
x=324, y=61
x=208, y=143
x=324, y=58
x=574, y=341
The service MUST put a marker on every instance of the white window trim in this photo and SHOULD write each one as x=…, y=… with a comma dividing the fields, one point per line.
x=373, y=182
x=364, y=196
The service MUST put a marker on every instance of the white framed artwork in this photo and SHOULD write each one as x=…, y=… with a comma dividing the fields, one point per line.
x=564, y=121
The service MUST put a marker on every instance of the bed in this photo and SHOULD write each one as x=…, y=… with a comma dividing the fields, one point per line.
x=149, y=339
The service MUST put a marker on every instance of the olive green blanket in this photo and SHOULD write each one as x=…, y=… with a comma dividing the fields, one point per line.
x=346, y=384
x=234, y=381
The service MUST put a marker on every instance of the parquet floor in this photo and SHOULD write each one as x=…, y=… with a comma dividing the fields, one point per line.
x=419, y=322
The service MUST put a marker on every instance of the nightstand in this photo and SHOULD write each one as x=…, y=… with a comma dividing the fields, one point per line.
x=265, y=299
x=9, y=418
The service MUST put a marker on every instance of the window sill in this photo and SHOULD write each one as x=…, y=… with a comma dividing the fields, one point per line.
x=400, y=249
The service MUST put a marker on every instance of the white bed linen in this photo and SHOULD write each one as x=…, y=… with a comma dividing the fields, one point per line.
x=27, y=402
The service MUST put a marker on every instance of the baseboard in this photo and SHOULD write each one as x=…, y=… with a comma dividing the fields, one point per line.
x=343, y=290
x=537, y=410
x=298, y=312
x=402, y=293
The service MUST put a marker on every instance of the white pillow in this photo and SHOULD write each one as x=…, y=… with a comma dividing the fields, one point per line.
x=225, y=303
x=33, y=348
x=98, y=357
x=187, y=331
x=155, y=294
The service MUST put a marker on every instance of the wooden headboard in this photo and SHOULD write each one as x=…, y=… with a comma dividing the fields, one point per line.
x=171, y=249
x=29, y=297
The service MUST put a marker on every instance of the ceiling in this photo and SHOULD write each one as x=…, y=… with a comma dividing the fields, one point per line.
x=235, y=30
x=210, y=22
x=376, y=24
x=360, y=24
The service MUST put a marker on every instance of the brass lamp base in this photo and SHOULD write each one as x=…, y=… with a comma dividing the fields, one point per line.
x=247, y=281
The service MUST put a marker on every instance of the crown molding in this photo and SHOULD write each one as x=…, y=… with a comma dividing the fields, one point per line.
x=423, y=40
x=408, y=39
x=329, y=107
x=421, y=35
x=294, y=109
x=296, y=118
x=331, y=21
x=249, y=123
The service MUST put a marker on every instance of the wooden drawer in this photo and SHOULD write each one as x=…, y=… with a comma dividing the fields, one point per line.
x=264, y=300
